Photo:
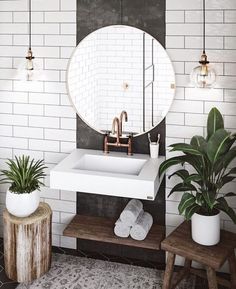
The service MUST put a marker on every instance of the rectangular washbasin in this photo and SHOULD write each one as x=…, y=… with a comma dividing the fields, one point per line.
x=110, y=164
x=113, y=174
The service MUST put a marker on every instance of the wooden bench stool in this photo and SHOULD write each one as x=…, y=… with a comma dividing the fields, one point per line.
x=179, y=242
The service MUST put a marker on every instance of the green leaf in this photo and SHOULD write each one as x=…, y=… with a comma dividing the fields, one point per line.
x=187, y=200
x=229, y=157
x=225, y=160
x=228, y=195
x=223, y=206
x=219, y=143
x=169, y=163
x=199, y=199
x=210, y=198
x=225, y=180
x=183, y=174
x=194, y=161
x=181, y=187
x=200, y=143
x=191, y=210
x=232, y=172
x=214, y=122
x=193, y=178
x=186, y=148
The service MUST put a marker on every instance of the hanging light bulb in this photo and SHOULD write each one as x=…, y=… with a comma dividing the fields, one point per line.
x=29, y=67
x=203, y=76
x=28, y=70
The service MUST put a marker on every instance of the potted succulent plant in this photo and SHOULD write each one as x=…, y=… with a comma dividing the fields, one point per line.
x=206, y=168
x=24, y=176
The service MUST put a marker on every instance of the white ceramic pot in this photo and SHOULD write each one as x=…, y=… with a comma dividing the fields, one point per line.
x=206, y=229
x=22, y=205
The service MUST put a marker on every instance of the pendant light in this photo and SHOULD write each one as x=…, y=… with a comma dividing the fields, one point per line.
x=203, y=76
x=28, y=70
x=30, y=57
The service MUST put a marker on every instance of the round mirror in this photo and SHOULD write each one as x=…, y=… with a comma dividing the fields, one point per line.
x=119, y=69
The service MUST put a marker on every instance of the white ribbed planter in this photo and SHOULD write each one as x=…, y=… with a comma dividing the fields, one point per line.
x=22, y=205
x=206, y=229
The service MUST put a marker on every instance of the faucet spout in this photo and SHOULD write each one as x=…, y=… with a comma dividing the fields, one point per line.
x=123, y=115
x=116, y=128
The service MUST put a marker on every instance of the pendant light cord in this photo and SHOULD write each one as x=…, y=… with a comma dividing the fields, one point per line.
x=204, y=26
x=121, y=11
x=30, y=24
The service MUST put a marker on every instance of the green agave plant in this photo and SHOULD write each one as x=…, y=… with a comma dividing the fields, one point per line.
x=23, y=175
x=209, y=158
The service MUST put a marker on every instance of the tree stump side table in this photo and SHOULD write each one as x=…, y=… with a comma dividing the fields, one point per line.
x=27, y=244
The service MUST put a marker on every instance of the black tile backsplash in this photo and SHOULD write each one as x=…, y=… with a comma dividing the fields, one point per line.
x=94, y=14
x=148, y=15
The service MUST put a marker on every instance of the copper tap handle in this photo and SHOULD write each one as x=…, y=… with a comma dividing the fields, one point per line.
x=105, y=144
x=130, y=145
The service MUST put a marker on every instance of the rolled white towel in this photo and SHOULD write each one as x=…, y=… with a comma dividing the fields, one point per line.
x=142, y=226
x=131, y=212
x=121, y=229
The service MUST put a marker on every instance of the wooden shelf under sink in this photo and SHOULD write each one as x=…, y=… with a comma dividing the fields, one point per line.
x=101, y=229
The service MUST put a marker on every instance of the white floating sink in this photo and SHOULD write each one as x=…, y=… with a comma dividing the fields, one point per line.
x=110, y=164
x=113, y=174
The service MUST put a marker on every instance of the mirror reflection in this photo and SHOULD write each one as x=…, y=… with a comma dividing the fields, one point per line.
x=119, y=69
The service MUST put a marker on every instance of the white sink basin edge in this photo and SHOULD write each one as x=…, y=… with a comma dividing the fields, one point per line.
x=115, y=174
x=110, y=164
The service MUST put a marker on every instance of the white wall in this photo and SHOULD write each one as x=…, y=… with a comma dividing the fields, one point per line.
x=189, y=112
x=37, y=119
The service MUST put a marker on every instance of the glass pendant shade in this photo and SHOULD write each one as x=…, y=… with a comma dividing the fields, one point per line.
x=203, y=76
x=27, y=69
x=29, y=60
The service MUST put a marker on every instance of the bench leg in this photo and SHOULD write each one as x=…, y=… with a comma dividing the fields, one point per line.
x=182, y=274
x=169, y=271
x=232, y=267
x=211, y=277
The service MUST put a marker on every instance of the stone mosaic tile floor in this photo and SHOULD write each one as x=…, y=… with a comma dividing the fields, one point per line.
x=5, y=283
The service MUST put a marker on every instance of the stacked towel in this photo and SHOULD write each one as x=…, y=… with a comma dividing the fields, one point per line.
x=127, y=218
x=121, y=229
x=131, y=212
x=133, y=221
x=142, y=226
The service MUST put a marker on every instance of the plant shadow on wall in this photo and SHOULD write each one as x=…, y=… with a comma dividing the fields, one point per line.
x=209, y=161
x=24, y=177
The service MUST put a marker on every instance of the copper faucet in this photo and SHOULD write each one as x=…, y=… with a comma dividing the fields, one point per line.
x=123, y=115
x=116, y=129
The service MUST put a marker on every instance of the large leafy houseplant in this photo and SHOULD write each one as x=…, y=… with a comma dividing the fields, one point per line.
x=24, y=177
x=206, y=169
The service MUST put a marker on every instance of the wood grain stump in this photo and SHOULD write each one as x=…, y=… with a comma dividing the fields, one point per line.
x=27, y=244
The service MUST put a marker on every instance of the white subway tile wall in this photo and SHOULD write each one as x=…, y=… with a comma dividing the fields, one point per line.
x=37, y=119
x=183, y=43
